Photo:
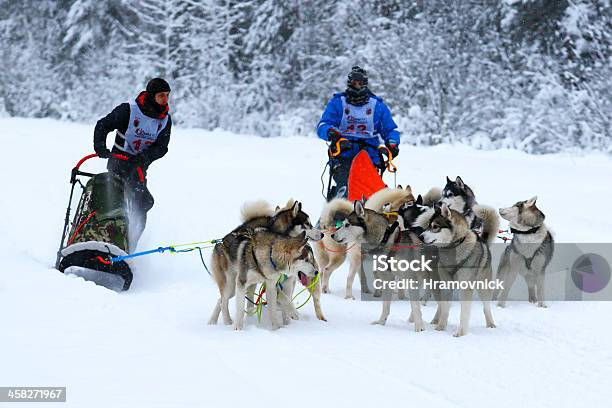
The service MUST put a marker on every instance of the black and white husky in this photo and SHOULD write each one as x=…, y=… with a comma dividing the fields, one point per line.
x=461, y=198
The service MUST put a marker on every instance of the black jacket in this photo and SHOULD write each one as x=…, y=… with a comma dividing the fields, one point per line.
x=119, y=119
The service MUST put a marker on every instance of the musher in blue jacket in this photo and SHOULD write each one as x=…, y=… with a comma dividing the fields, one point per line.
x=355, y=120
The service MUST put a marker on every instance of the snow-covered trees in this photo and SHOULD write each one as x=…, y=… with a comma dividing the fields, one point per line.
x=528, y=74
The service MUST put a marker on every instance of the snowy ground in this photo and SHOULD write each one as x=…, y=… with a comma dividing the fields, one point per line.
x=151, y=347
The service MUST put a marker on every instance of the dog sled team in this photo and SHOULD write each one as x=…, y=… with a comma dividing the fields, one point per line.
x=271, y=243
x=279, y=247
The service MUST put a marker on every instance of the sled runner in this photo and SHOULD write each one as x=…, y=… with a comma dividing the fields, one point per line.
x=99, y=230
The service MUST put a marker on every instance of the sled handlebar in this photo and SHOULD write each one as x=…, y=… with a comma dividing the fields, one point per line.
x=91, y=156
x=77, y=172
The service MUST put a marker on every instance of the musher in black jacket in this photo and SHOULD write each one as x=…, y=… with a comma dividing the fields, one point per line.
x=142, y=135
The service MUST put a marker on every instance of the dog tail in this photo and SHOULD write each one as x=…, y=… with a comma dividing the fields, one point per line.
x=490, y=221
x=336, y=209
x=254, y=209
x=393, y=196
x=432, y=196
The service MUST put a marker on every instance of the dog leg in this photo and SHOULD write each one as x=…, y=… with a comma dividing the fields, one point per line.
x=486, y=295
x=417, y=317
x=466, y=308
x=426, y=296
x=284, y=299
x=228, y=292
x=214, y=317
x=540, y=289
x=272, y=299
x=240, y=293
x=509, y=277
x=250, y=294
x=316, y=300
x=531, y=288
x=354, y=267
x=442, y=314
x=335, y=260
x=386, y=309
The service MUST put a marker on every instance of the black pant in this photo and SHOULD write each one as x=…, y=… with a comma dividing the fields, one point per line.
x=138, y=197
x=340, y=169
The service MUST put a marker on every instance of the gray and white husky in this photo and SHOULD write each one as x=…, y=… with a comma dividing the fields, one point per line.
x=288, y=221
x=464, y=257
x=529, y=252
x=260, y=257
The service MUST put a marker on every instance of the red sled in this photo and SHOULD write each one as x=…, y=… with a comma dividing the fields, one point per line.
x=363, y=180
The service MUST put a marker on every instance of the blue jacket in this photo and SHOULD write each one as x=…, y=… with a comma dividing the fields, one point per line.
x=383, y=126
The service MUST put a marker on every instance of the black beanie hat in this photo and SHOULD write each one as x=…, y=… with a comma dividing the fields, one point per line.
x=157, y=85
x=358, y=74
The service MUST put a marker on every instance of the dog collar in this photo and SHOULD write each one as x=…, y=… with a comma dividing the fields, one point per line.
x=530, y=231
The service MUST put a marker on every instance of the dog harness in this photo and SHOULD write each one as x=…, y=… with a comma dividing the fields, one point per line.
x=539, y=250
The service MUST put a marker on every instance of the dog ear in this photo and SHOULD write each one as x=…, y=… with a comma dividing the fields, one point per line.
x=408, y=188
x=448, y=180
x=297, y=207
x=277, y=208
x=445, y=211
x=399, y=186
x=359, y=209
x=419, y=200
x=460, y=183
x=531, y=202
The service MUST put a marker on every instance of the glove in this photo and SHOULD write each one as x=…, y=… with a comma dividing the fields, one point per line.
x=333, y=136
x=103, y=152
x=393, y=148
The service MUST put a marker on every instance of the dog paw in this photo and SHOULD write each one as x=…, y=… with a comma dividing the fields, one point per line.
x=501, y=304
x=491, y=325
x=380, y=321
x=350, y=297
x=238, y=326
x=377, y=293
x=322, y=318
x=325, y=289
x=419, y=327
x=212, y=322
x=542, y=304
x=440, y=327
x=459, y=333
x=228, y=322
